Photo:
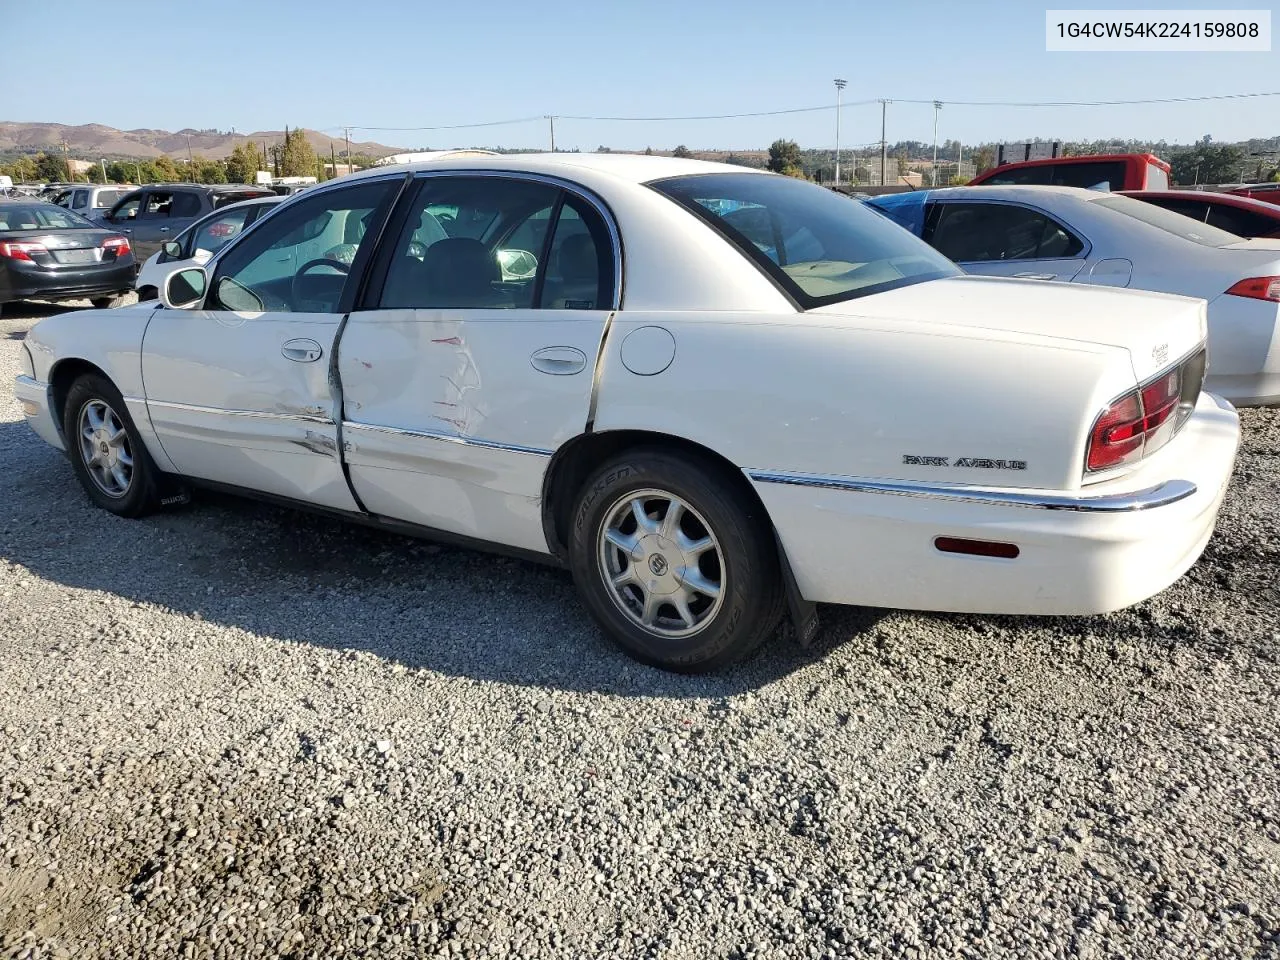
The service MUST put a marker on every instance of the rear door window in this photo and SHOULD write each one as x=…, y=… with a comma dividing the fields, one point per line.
x=186, y=205
x=981, y=232
x=158, y=205
x=80, y=200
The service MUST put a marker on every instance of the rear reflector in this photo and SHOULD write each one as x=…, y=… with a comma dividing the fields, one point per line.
x=977, y=548
x=1258, y=288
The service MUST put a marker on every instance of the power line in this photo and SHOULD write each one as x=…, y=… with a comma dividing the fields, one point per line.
x=818, y=109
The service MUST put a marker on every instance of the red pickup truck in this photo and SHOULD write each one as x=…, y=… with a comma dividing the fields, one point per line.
x=1119, y=171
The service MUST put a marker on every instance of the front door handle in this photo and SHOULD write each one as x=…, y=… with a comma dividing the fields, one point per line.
x=559, y=361
x=164, y=229
x=302, y=350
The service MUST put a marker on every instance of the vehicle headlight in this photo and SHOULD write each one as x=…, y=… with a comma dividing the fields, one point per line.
x=28, y=364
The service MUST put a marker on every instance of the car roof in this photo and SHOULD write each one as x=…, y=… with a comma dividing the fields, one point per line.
x=1026, y=192
x=633, y=168
x=1209, y=196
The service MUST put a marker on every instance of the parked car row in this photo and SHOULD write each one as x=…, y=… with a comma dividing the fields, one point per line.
x=1080, y=236
x=715, y=395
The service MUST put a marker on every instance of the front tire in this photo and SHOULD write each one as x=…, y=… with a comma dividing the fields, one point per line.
x=106, y=450
x=674, y=561
x=106, y=303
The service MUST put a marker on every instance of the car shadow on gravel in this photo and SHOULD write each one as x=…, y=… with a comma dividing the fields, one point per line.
x=315, y=580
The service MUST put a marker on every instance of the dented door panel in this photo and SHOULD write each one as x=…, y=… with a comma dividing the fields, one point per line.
x=450, y=422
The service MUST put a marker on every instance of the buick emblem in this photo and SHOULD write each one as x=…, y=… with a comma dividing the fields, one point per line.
x=658, y=564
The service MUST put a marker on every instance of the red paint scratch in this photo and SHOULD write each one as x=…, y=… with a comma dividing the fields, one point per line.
x=455, y=341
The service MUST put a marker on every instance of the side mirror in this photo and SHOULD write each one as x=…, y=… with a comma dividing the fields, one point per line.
x=172, y=249
x=184, y=289
x=517, y=264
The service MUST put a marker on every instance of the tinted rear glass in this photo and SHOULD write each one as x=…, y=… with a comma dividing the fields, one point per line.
x=41, y=216
x=106, y=198
x=1088, y=175
x=1168, y=221
x=819, y=246
x=222, y=199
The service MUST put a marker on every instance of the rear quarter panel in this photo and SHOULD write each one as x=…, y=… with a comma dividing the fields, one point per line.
x=852, y=397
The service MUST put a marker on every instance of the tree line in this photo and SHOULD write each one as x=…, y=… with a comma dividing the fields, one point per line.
x=292, y=157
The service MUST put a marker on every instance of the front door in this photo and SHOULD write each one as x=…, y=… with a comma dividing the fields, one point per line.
x=473, y=356
x=239, y=392
x=1002, y=239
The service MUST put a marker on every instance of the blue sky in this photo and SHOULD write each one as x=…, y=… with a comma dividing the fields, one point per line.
x=322, y=64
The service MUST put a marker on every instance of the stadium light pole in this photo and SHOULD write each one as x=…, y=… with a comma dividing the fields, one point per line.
x=937, y=106
x=840, y=84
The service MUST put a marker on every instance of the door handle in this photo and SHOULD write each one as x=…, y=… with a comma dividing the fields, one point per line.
x=164, y=229
x=302, y=350
x=559, y=361
x=1037, y=276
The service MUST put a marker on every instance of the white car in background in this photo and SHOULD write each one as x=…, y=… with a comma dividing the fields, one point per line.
x=1104, y=239
x=713, y=394
x=200, y=241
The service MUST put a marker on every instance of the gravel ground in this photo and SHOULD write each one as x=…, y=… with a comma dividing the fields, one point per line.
x=236, y=731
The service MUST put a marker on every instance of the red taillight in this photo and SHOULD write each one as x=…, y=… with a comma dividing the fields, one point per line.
x=119, y=244
x=20, y=249
x=1142, y=422
x=1117, y=436
x=1258, y=288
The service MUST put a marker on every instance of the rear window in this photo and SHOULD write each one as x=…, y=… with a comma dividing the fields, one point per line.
x=1105, y=174
x=1157, y=179
x=222, y=199
x=1168, y=221
x=40, y=216
x=820, y=246
x=106, y=198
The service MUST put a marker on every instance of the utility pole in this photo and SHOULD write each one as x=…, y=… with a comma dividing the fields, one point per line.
x=347, y=132
x=840, y=84
x=884, y=145
x=333, y=158
x=66, y=157
x=191, y=164
x=102, y=160
x=553, y=132
x=937, y=106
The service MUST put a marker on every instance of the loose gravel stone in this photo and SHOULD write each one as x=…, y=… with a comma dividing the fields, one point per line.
x=236, y=731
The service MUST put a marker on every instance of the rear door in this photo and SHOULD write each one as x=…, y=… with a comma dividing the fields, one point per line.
x=239, y=391
x=473, y=357
x=153, y=225
x=1005, y=239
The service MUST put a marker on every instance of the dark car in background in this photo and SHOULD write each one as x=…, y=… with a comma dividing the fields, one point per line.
x=50, y=253
x=150, y=215
x=1111, y=171
x=1235, y=214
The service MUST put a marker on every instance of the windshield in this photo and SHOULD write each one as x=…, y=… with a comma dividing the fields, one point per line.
x=820, y=246
x=41, y=216
x=1170, y=222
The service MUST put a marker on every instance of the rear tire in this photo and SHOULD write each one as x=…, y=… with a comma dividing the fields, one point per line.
x=106, y=451
x=106, y=303
x=690, y=591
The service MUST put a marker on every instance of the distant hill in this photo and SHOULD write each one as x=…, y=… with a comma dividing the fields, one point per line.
x=92, y=140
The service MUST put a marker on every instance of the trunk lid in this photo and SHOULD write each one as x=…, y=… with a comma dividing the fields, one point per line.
x=1155, y=328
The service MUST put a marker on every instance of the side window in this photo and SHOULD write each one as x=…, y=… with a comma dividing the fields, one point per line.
x=80, y=200
x=465, y=244
x=579, y=271
x=300, y=261
x=215, y=234
x=977, y=232
x=186, y=205
x=159, y=203
x=62, y=198
x=128, y=209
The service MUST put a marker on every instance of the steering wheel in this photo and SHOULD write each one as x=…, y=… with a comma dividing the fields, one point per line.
x=341, y=267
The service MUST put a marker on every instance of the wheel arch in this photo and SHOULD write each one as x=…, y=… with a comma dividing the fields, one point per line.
x=574, y=461
x=62, y=375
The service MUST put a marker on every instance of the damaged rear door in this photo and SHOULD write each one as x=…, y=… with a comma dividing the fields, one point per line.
x=239, y=391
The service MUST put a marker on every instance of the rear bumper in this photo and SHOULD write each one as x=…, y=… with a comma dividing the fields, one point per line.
x=1082, y=554
x=66, y=284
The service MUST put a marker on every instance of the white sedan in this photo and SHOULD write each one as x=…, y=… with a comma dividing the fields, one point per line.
x=716, y=395
x=1087, y=237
